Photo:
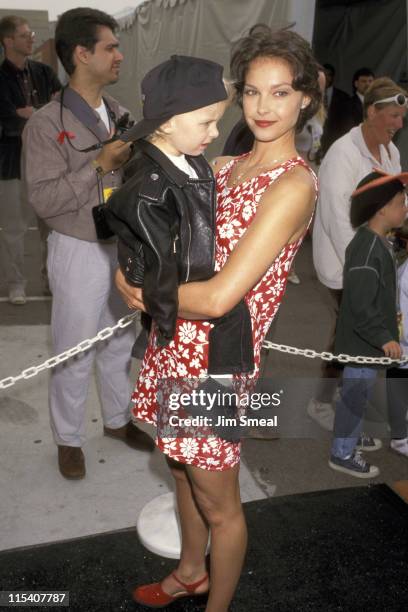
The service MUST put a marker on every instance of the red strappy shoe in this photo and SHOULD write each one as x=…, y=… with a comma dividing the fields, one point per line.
x=153, y=596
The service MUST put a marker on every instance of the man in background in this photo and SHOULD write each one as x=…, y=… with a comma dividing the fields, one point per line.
x=25, y=85
x=362, y=79
x=70, y=169
x=337, y=104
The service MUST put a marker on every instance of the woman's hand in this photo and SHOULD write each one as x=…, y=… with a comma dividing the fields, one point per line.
x=132, y=296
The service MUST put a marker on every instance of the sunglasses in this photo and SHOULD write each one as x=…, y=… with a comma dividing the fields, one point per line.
x=398, y=99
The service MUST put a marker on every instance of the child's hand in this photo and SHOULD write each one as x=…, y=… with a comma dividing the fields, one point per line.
x=392, y=349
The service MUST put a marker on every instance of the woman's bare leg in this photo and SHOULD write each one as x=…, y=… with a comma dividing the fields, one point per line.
x=218, y=497
x=194, y=535
x=214, y=496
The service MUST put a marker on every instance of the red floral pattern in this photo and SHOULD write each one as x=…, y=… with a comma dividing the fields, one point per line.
x=187, y=353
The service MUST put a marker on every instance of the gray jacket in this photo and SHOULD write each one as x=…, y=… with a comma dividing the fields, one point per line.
x=60, y=182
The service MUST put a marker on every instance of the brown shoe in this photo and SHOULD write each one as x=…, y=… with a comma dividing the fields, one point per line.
x=132, y=436
x=71, y=462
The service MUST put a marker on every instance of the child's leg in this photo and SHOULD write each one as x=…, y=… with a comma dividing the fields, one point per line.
x=356, y=390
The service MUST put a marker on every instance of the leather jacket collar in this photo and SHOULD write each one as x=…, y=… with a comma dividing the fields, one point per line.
x=176, y=176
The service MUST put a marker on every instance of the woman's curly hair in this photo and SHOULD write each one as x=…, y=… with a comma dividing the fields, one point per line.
x=261, y=41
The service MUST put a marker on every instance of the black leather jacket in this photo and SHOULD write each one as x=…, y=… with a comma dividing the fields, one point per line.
x=165, y=222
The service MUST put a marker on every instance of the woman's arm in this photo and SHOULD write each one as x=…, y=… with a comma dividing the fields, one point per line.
x=282, y=217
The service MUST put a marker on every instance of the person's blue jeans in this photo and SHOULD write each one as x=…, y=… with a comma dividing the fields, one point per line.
x=356, y=390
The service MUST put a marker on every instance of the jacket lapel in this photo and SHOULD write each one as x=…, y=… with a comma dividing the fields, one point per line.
x=84, y=113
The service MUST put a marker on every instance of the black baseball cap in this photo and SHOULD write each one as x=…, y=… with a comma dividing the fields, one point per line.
x=179, y=85
x=374, y=192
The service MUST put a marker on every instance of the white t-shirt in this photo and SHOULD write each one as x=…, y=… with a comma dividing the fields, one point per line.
x=182, y=164
x=103, y=113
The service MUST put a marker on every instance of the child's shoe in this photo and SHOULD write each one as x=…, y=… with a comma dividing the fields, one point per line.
x=355, y=465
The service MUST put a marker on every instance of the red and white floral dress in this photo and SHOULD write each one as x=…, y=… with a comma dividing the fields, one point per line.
x=187, y=353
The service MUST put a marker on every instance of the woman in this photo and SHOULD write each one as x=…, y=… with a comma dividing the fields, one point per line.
x=265, y=202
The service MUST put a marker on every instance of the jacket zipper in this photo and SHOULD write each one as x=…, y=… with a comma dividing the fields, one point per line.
x=147, y=233
x=188, y=252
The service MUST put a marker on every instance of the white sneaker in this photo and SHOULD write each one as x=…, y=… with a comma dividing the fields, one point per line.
x=322, y=413
x=17, y=296
x=293, y=278
x=400, y=446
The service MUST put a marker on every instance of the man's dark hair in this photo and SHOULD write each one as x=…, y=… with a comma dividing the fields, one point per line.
x=9, y=25
x=288, y=46
x=79, y=27
x=330, y=68
x=362, y=72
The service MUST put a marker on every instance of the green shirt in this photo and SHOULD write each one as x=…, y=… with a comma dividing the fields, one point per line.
x=368, y=312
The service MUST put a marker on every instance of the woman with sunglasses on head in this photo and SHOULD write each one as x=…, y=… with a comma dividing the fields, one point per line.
x=265, y=202
x=350, y=158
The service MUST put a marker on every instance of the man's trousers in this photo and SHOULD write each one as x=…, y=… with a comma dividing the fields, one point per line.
x=85, y=300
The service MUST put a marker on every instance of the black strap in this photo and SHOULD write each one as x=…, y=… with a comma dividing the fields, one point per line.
x=84, y=113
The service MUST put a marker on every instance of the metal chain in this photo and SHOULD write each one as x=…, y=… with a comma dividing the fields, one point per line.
x=106, y=333
x=83, y=346
x=327, y=356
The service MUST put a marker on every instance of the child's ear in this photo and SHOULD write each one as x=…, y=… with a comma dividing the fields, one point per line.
x=168, y=127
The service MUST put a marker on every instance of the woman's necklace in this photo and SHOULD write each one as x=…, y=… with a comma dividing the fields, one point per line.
x=250, y=169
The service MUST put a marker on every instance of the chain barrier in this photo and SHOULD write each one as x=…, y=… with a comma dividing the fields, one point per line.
x=106, y=333
x=327, y=356
x=83, y=346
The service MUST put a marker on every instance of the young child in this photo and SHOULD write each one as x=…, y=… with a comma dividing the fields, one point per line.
x=164, y=214
x=368, y=322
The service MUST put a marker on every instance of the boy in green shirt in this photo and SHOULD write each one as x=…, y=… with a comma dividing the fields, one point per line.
x=368, y=321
